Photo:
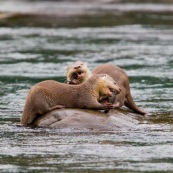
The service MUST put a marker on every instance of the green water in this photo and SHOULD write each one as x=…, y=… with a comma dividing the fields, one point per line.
x=140, y=43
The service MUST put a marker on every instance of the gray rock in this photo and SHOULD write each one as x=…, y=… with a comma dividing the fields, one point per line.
x=82, y=119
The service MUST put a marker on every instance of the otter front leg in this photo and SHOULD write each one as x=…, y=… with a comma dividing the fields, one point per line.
x=107, y=104
x=117, y=105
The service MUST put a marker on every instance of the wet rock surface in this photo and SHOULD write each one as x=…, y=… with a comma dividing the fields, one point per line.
x=79, y=119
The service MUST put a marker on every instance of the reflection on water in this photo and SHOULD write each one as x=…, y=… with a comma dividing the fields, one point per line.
x=31, y=54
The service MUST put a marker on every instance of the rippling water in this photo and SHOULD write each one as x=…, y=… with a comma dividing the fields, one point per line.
x=32, y=54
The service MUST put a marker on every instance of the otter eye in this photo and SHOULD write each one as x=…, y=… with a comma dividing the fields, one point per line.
x=80, y=73
x=115, y=83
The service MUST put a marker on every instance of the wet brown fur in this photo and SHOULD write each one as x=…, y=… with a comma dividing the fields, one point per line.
x=49, y=95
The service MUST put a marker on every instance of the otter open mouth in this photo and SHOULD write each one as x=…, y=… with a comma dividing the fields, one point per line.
x=75, y=78
x=77, y=75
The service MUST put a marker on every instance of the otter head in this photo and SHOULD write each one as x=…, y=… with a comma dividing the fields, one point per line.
x=77, y=73
x=107, y=86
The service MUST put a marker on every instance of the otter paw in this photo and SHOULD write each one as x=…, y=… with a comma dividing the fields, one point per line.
x=108, y=106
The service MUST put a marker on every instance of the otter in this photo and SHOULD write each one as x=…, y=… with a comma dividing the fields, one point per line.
x=79, y=72
x=49, y=95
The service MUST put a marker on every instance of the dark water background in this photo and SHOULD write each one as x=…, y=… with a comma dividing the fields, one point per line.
x=38, y=39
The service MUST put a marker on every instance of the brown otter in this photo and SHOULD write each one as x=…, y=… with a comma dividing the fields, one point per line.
x=49, y=95
x=79, y=72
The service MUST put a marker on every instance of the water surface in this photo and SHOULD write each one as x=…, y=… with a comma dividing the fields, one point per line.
x=29, y=54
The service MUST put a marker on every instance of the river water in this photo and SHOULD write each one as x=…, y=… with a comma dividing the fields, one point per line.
x=40, y=49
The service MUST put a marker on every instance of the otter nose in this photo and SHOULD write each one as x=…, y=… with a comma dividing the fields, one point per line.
x=77, y=67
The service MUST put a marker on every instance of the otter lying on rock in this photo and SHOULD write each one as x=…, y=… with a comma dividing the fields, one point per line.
x=50, y=95
x=79, y=72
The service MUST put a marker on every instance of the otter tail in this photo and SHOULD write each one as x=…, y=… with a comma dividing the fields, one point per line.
x=132, y=105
